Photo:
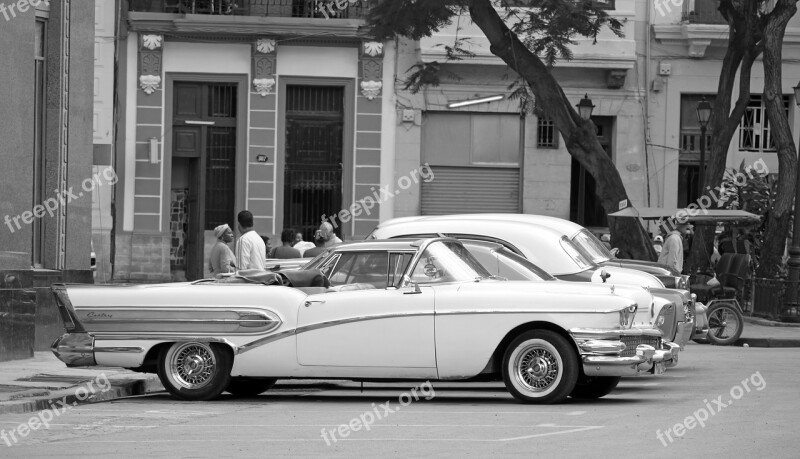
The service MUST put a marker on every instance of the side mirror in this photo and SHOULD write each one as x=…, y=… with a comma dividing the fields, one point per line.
x=604, y=275
x=410, y=287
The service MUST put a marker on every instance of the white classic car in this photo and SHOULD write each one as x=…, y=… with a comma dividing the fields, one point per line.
x=379, y=310
x=560, y=247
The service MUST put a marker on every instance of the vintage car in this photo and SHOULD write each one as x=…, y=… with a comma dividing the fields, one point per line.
x=551, y=248
x=373, y=311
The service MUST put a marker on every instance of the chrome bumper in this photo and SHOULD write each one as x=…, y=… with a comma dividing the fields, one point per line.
x=647, y=360
x=675, y=350
x=75, y=349
x=684, y=334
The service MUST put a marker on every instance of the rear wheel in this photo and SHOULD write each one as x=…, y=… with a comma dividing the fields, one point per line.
x=725, y=324
x=594, y=387
x=249, y=387
x=195, y=371
x=540, y=366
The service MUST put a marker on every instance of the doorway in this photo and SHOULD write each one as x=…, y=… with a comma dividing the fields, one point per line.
x=313, y=167
x=585, y=207
x=203, y=187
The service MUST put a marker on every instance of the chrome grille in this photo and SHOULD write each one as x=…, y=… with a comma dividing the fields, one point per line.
x=632, y=341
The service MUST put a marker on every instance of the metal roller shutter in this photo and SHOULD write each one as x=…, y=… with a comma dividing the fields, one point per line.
x=456, y=190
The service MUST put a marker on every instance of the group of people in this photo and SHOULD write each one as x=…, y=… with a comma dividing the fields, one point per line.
x=251, y=251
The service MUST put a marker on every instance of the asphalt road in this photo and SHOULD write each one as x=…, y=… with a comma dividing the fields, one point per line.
x=758, y=418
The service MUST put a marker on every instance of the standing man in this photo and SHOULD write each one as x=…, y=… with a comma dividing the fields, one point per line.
x=330, y=238
x=672, y=251
x=251, y=252
x=221, y=259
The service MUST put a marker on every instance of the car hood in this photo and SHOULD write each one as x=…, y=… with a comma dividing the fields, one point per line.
x=582, y=297
x=626, y=276
x=651, y=267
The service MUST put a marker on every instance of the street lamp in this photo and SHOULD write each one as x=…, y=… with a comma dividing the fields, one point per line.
x=585, y=107
x=703, y=116
x=794, y=251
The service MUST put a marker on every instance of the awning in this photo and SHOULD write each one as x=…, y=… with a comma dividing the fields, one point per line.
x=707, y=216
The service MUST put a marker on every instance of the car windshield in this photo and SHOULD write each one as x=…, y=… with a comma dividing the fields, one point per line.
x=581, y=260
x=503, y=263
x=447, y=262
x=591, y=247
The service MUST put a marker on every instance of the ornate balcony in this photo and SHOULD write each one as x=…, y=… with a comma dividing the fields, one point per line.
x=702, y=12
x=248, y=18
x=321, y=9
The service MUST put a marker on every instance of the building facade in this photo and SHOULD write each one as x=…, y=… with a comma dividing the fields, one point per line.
x=46, y=181
x=688, y=43
x=272, y=106
x=501, y=161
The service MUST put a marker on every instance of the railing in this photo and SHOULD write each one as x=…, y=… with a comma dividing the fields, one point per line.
x=702, y=12
x=323, y=9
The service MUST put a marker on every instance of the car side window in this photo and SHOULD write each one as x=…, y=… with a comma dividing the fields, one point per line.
x=361, y=268
x=398, y=264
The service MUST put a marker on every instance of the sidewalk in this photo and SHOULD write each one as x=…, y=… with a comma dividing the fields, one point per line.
x=44, y=382
x=764, y=333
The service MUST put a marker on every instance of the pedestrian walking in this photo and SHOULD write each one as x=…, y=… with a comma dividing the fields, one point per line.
x=302, y=245
x=319, y=242
x=330, y=238
x=251, y=252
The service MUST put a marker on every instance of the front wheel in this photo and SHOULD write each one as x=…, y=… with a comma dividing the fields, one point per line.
x=195, y=371
x=725, y=324
x=540, y=366
x=594, y=387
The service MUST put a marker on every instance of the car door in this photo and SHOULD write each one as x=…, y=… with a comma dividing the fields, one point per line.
x=368, y=323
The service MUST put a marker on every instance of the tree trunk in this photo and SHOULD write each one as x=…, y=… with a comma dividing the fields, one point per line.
x=780, y=215
x=579, y=135
x=744, y=46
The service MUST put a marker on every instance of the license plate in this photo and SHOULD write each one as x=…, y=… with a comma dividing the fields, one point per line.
x=659, y=368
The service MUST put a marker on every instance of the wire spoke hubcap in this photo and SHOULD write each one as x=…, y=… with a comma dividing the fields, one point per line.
x=536, y=368
x=193, y=365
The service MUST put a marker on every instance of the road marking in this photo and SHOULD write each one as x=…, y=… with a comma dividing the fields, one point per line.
x=567, y=413
x=572, y=430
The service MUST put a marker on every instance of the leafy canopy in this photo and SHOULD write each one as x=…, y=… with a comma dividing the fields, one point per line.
x=546, y=27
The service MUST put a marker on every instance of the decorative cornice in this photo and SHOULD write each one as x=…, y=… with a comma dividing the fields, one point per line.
x=264, y=86
x=371, y=89
x=373, y=48
x=149, y=83
x=699, y=37
x=245, y=25
x=265, y=45
x=151, y=41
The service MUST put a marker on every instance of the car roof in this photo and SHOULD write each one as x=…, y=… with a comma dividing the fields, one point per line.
x=542, y=246
x=559, y=224
x=406, y=244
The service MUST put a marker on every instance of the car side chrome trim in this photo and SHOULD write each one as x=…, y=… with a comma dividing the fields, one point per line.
x=132, y=350
x=318, y=326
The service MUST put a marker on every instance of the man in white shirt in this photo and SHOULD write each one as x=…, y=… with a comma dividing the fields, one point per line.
x=251, y=252
x=672, y=251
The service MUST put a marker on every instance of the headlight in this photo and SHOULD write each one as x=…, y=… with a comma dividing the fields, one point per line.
x=682, y=282
x=626, y=316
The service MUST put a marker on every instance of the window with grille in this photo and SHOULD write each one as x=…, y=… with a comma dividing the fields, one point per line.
x=547, y=136
x=754, y=129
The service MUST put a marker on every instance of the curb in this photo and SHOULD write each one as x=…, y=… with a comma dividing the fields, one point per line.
x=64, y=398
x=768, y=342
x=769, y=323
